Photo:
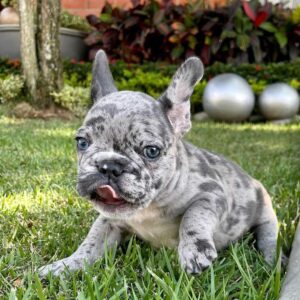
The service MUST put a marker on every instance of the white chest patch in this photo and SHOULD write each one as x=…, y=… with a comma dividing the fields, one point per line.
x=150, y=226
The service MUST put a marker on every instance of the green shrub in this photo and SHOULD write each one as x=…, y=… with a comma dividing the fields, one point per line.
x=9, y=67
x=153, y=79
x=151, y=83
x=74, y=22
x=76, y=99
x=257, y=86
x=295, y=84
x=11, y=87
x=77, y=74
x=9, y=3
x=270, y=73
x=296, y=15
x=80, y=74
x=75, y=79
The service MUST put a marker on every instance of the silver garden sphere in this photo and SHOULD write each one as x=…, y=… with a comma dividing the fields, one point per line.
x=228, y=97
x=279, y=101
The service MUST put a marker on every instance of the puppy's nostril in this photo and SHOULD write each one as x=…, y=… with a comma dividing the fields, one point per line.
x=103, y=169
x=111, y=169
x=117, y=172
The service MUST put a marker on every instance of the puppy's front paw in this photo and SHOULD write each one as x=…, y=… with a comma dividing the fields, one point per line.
x=58, y=267
x=195, y=256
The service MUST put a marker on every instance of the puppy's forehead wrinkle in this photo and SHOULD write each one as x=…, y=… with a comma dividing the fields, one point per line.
x=97, y=119
x=121, y=113
x=126, y=99
x=130, y=130
x=115, y=103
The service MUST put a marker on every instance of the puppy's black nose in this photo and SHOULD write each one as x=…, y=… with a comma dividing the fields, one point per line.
x=111, y=168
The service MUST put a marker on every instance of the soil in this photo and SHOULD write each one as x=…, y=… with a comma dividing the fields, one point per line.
x=25, y=110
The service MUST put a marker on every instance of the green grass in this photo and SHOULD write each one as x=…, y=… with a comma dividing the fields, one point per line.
x=42, y=219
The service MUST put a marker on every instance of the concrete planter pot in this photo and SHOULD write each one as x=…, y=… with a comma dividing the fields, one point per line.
x=72, y=45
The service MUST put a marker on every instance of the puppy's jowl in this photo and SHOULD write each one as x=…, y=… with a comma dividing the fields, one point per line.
x=144, y=179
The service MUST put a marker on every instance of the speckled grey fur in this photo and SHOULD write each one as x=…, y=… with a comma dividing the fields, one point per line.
x=187, y=198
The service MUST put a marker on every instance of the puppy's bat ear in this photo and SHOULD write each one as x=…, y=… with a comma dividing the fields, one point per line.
x=102, y=82
x=176, y=99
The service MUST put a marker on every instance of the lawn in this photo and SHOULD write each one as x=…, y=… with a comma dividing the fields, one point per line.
x=42, y=219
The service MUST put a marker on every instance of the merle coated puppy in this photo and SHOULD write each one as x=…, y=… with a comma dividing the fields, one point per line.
x=144, y=179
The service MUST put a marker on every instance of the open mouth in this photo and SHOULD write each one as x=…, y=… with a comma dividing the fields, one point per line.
x=107, y=195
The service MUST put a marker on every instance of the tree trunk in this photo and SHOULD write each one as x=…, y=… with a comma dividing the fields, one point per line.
x=28, y=46
x=40, y=51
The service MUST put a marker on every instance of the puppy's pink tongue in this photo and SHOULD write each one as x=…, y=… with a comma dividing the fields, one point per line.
x=109, y=195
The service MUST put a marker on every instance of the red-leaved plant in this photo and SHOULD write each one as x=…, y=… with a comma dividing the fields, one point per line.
x=240, y=32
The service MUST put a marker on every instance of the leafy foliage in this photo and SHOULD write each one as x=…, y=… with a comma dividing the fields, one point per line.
x=296, y=15
x=74, y=22
x=9, y=67
x=9, y=3
x=11, y=87
x=153, y=79
x=76, y=99
x=79, y=74
x=241, y=32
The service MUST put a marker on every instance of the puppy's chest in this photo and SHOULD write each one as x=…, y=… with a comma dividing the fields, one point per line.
x=151, y=226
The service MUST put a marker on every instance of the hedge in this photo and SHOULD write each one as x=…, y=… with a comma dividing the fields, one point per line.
x=153, y=78
x=270, y=73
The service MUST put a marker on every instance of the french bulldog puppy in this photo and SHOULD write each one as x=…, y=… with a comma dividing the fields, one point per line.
x=144, y=179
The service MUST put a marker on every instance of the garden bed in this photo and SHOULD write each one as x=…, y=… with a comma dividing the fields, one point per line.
x=152, y=78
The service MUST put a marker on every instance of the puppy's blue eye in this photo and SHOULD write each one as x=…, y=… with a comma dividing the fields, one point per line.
x=151, y=152
x=82, y=144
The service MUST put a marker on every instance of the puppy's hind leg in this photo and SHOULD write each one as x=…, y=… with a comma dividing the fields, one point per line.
x=266, y=235
x=266, y=228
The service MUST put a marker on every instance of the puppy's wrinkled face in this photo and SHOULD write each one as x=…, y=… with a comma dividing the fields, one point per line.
x=127, y=146
x=126, y=152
